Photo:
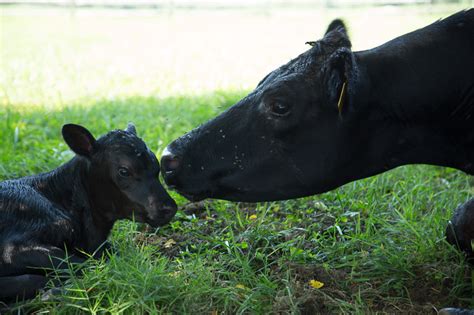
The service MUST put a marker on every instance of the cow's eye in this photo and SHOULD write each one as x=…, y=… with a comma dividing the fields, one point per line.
x=124, y=172
x=280, y=109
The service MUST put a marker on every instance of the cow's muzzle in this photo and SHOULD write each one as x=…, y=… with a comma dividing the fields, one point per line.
x=170, y=164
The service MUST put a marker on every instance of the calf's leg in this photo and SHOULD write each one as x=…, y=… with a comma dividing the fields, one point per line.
x=36, y=259
x=25, y=271
x=21, y=287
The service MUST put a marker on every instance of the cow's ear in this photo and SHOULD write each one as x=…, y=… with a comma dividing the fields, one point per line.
x=336, y=24
x=131, y=129
x=340, y=73
x=336, y=35
x=79, y=139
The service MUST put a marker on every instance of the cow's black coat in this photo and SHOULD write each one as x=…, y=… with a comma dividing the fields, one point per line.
x=408, y=101
x=70, y=211
x=331, y=116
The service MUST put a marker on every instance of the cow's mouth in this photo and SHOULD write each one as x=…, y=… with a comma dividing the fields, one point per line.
x=218, y=191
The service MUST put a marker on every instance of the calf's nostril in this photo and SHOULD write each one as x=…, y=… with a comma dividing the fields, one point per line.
x=169, y=211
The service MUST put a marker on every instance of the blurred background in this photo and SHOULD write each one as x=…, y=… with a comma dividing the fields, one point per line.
x=58, y=52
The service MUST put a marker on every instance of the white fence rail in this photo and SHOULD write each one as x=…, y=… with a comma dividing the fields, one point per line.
x=209, y=3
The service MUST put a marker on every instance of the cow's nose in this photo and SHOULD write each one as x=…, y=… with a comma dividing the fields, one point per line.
x=169, y=162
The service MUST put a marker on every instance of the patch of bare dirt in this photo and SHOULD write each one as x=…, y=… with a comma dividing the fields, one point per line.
x=424, y=297
x=313, y=300
x=169, y=246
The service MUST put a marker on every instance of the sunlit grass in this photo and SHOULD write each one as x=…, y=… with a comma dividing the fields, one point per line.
x=50, y=57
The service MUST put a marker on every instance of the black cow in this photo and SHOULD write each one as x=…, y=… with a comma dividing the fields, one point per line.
x=331, y=116
x=47, y=218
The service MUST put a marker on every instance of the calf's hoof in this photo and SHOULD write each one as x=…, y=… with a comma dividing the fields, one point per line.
x=460, y=230
x=455, y=311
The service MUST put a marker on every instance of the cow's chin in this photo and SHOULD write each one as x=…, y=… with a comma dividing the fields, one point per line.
x=216, y=192
x=255, y=197
x=193, y=194
x=194, y=197
x=239, y=194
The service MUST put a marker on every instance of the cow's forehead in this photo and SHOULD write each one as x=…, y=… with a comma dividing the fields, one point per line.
x=305, y=63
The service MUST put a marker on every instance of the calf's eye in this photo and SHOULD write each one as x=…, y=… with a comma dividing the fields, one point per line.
x=280, y=109
x=124, y=172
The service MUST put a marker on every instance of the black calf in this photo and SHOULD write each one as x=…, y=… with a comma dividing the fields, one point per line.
x=49, y=219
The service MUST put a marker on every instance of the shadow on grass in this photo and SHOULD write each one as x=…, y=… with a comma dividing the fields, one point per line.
x=376, y=244
x=31, y=137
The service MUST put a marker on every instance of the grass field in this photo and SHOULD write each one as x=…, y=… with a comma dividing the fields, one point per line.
x=376, y=245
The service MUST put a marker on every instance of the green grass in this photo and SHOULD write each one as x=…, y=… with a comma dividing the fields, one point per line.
x=376, y=244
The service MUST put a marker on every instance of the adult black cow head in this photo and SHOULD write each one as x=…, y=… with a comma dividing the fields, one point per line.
x=290, y=137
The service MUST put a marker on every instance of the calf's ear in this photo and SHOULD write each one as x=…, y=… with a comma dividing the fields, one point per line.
x=79, y=139
x=131, y=129
x=341, y=73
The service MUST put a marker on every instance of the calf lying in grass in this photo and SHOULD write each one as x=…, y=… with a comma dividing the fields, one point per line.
x=50, y=218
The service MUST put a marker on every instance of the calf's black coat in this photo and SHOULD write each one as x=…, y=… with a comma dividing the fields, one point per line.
x=68, y=213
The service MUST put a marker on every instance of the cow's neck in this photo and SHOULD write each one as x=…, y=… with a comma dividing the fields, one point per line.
x=414, y=116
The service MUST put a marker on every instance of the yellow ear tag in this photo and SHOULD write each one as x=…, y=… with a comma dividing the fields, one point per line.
x=340, y=102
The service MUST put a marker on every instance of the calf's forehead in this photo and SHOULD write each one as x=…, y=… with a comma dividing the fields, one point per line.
x=126, y=149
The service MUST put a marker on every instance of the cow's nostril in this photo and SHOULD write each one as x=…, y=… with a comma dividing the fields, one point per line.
x=169, y=162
